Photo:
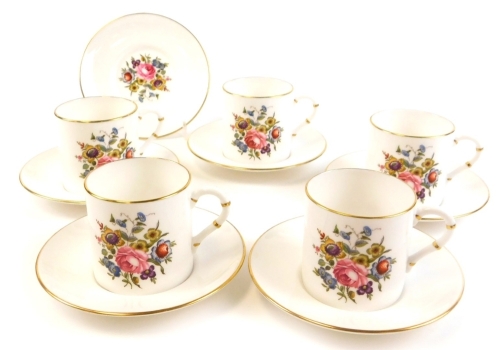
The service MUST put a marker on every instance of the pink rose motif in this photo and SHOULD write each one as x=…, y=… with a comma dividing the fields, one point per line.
x=131, y=260
x=255, y=139
x=414, y=181
x=146, y=71
x=105, y=160
x=350, y=274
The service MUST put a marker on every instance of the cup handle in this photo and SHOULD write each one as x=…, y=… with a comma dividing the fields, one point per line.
x=154, y=135
x=308, y=120
x=439, y=242
x=468, y=164
x=217, y=222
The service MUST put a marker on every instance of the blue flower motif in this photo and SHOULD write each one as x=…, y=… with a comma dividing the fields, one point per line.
x=121, y=223
x=151, y=94
x=115, y=270
x=114, y=131
x=100, y=138
x=381, y=267
x=141, y=217
x=345, y=235
x=405, y=153
x=367, y=231
x=86, y=172
x=141, y=99
x=250, y=113
x=330, y=281
x=106, y=262
x=264, y=109
x=422, y=148
x=242, y=147
x=156, y=63
x=322, y=272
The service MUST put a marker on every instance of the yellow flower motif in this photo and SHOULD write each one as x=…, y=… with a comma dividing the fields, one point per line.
x=112, y=238
x=153, y=235
x=376, y=250
x=134, y=87
x=158, y=83
x=417, y=171
x=394, y=165
x=92, y=152
x=361, y=259
x=332, y=249
x=270, y=121
x=262, y=129
x=123, y=143
x=428, y=163
x=140, y=245
x=140, y=81
x=243, y=124
x=114, y=153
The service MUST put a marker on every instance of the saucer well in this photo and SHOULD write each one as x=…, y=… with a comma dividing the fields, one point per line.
x=63, y=269
x=152, y=60
x=307, y=146
x=465, y=195
x=42, y=174
x=279, y=280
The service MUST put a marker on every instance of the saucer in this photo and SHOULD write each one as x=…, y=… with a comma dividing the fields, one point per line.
x=466, y=194
x=66, y=275
x=279, y=280
x=308, y=145
x=169, y=73
x=42, y=174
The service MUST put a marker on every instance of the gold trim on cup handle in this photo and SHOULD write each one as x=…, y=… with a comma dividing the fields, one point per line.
x=154, y=135
x=471, y=162
x=440, y=241
x=217, y=223
x=308, y=120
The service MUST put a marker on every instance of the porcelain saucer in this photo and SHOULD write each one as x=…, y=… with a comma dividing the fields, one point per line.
x=63, y=269
x=466, y=194
x=42, y=174
x=153, y=60
x=308, y=145
x=279, y=280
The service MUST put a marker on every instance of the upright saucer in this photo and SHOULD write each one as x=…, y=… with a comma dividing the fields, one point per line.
x=308, y=145
x=63, y=269
x=279, y=280
x=465, y=195
x=42, y=174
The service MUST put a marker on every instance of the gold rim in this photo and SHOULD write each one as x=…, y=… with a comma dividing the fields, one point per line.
x=414, y=136
x=242, y=168
x=95, y=121
x=143, y=200
x=427, y=218
x=167, y=18
x=344, y=329
x=142, y=313
x=351, y=215
x=248, y=96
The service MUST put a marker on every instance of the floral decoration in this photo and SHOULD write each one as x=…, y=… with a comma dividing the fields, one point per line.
x=105, y=148
x=344, y=267
x=145, y=77
x=413, y=167
x=133, y=251
x=255, y=132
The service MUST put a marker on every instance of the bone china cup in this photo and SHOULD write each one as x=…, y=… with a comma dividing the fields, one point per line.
x=355, y=248
x=418, y=148
x=139, y=212
x=260, y=119
x=94, y=131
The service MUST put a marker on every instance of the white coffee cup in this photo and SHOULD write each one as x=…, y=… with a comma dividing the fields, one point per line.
x=261, y=119
x=417, y=147
x=139, y=213
x=94, y=131
x=355, y=248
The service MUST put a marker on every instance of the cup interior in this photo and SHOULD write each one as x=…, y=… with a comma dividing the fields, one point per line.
x=361, y=193
x=137, y=180
x=412, y=123
x=258, y=87
x=95, y=109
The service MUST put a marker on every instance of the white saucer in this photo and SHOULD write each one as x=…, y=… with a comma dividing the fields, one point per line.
x=280, y=281
x=108, y=56
x=63, y=269
x=308, y=145
x=42, y=174
x=466, y=194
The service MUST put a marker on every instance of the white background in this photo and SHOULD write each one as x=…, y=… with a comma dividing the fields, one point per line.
x=354, y=58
